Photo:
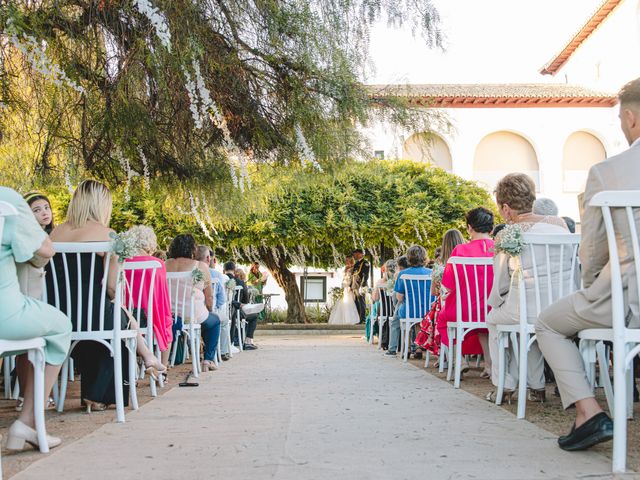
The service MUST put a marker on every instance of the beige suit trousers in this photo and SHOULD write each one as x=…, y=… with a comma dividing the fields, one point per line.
x=556, y=327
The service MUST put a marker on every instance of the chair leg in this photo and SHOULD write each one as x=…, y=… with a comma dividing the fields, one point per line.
x=407, y=333
x=620, y=408
x=503, y=342
x=605, y=380
x=174, y=350
x=6, y=368
x=117, y=378
x=522, y=375
x=629, y=390
x=426, y=359
x=450, y=353
x=72, y=366
x=458, y=353
x=133, y=367
x=441, y=357
x=64, y=378
x=36, y=357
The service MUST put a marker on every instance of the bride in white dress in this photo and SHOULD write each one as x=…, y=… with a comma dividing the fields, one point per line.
x=345, y=312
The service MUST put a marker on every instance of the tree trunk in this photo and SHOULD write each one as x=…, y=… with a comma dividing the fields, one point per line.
x=287, y=280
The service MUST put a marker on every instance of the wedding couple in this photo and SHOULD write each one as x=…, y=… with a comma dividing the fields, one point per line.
x=351, y=309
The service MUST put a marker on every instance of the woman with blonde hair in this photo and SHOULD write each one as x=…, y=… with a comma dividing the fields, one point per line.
x=88, y=220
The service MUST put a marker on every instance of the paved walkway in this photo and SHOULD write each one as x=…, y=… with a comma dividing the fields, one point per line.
x=311, y=407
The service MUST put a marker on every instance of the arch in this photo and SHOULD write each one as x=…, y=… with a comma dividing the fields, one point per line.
x=581, y=151
x=428, y=147
x=503, y=152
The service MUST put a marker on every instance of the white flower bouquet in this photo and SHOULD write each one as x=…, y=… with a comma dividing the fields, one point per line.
x=510, y=241
x=437, y=273
x=124, y=245
x=197, y=276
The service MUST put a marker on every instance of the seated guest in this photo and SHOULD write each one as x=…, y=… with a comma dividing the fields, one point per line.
x=515, y=195
x=416, y=258
x=450, y=240
x=182, y=253
x=479, y=225
x=497, y=229
x=162, y=319
x=23, y=317
x=591, y=307
x=545, y=206
x=571, y=224
x=30, y=277
x=252, y=319
x=204, y=254
x=88, y=220
x=375, y=297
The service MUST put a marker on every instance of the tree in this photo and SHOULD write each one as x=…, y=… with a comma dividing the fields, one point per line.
x=192, y=90
x=381, y=206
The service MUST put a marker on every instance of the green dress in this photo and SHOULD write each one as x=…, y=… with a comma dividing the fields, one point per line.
x=23, y=317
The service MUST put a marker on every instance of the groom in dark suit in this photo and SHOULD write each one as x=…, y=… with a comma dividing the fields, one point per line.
x=359, y=280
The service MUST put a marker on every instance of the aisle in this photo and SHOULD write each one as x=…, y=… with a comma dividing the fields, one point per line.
x=312, y=407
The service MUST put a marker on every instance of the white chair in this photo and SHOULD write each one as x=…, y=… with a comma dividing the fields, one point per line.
x=385, y=313
x=81, y=261
x=471, y=269
x=619, y=208
x=141, y=271
x=417, y=298
x=35, y=354
x=241, y=323
x=554, y=274
x=181, y=294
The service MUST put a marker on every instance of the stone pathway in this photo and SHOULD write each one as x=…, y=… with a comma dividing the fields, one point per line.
x=317, y=407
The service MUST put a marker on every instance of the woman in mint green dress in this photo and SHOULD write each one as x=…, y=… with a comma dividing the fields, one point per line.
x=21, y=317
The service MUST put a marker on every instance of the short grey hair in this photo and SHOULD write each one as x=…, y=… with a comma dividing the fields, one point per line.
x=145, y=237
x=545, y=206
x=201, y=252
x=417, y=256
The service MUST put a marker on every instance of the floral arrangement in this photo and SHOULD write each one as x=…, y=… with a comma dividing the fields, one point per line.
x=231, y=284
x=509, y=241
x=197, y=276
x=124, y=245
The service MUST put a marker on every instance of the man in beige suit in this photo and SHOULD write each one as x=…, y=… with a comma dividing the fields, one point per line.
x=591, y=306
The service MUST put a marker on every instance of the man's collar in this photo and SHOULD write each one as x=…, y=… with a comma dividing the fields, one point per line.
x=636, y=143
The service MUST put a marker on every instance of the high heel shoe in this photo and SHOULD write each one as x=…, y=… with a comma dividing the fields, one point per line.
x=507, y=395
x=19, y=434
x=208, y=366
x=539, y=395
x=94, y=406
x=154, y=369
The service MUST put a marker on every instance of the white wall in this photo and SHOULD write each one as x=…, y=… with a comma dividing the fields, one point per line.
x=609, y=57
x=547, y=129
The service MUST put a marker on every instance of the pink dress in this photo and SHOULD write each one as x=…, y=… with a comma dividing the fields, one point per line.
x=162, y=319
x=475, y=248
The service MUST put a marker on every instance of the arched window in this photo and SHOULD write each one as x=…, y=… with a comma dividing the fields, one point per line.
x=500, y=153
x=428, y=147
x=581, y=151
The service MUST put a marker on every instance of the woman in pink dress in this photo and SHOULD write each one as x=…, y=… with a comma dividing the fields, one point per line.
x=162, y=319
x=479, y=226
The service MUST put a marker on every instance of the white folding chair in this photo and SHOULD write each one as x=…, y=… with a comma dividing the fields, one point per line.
x=181, y=294
x=135, y=275
x=472, y=269
x=384, y=313
x=241, y=323
x=620, y=210
x=417, y=299
x=552, y=260
x=35, y=354
x=72, y=302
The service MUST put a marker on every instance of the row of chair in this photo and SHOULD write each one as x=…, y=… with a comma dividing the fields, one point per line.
x=555, y=267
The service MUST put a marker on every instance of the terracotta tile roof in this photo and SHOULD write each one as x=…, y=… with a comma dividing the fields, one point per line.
x=494, y=95
x=604, y=10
